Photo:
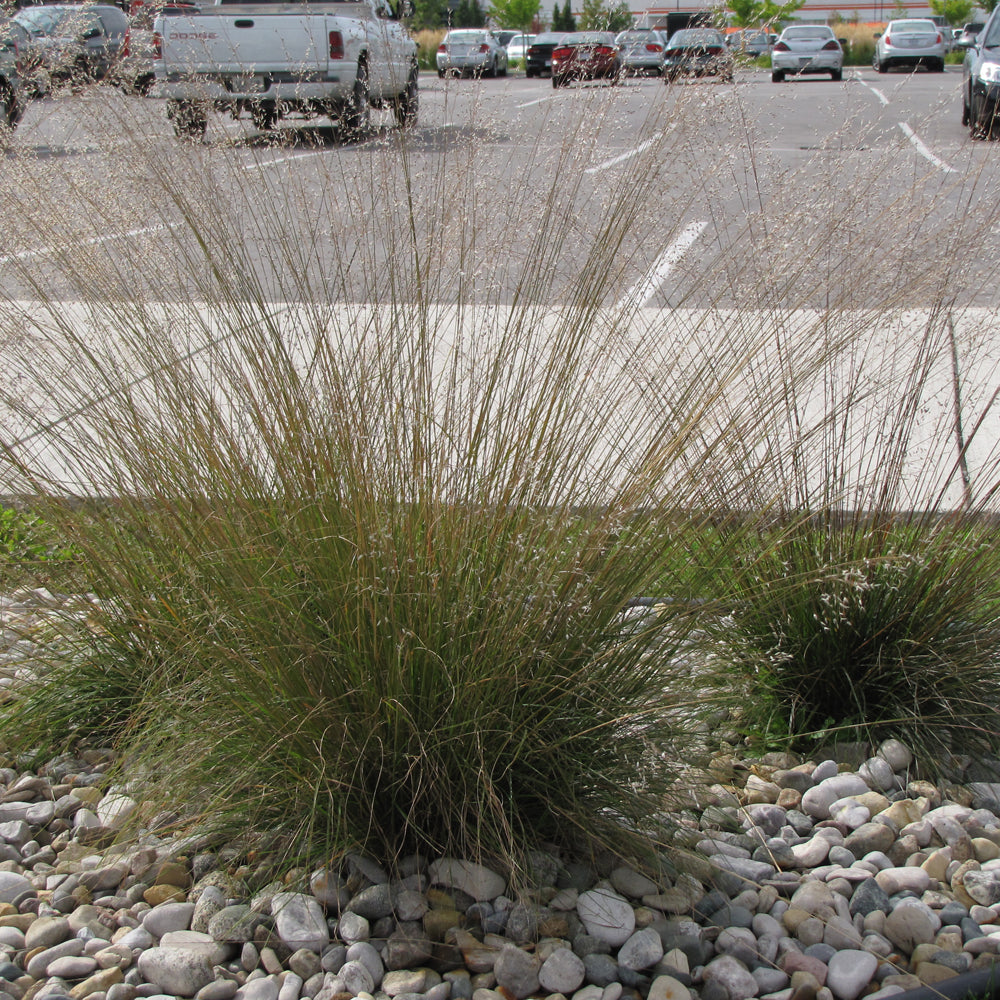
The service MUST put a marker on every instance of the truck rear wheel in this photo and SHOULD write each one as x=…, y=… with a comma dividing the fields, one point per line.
x=357, y=114
x=189, y=117
x=264, y=116
x=405, y=105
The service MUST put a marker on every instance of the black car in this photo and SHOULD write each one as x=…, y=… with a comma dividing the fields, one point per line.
x=981, y=81
x=71, y=42
x=538, y=60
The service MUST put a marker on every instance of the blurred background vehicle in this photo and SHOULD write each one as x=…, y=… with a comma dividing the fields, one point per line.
x=641, y=51
x=802, y=48
x=585, y=55
x=697, y=52
x=517, y=47
x=538, y=61
x=750, y=42
x=71, y=43
x=968, y=33
x=915, y=41
x=472, y=51
x=12, y=91
x=981, y=81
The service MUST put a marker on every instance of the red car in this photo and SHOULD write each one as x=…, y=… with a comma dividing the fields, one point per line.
x=586, y=55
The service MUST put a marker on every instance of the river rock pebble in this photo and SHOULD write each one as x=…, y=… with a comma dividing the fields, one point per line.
x=805, y=880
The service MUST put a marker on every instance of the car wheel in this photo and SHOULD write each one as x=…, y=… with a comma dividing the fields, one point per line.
x=939, y=66
x=503, y=71
x=190, y=118
x=965, y=108
x=440, y=74
x=264, y=116
x=404, y=107
x=882, y=67
x=556, y=82
x=358, y=113
x=777, y=76
x=836, y=75
x=7, y=117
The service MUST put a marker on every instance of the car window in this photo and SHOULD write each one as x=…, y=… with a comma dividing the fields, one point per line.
x=917, y=27
x=991, y=33
x=466, y=37
x=807, y=34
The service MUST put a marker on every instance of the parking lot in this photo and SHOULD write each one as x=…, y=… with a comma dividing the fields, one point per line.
x=806, y=193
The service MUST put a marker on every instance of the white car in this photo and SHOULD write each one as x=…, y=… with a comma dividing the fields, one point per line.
x=471, y=50
x=807, y=48
x=517, y=47
x=912, y=41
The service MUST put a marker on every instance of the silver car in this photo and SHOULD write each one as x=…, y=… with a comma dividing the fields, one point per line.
x=641, y=51
x=471, y=50
x=807, y=48
x=913, y=41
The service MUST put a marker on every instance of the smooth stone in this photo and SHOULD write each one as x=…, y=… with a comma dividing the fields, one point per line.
x=516, y=972
x=176, y=971
x=816, y=801
x=731, y=976
x=642, y=950
x=168, y=917
x=475, y=880
x=606, y=915
x=849, y=973
x=300, y=921
x=562, y=972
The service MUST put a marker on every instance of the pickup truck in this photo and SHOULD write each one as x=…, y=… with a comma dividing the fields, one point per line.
x=335, y=58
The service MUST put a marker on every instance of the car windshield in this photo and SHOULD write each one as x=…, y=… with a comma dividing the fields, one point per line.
x=635, y=37
x=696, y=36
x=547, y=39
x=466, y=37
x=589, y=38
x=806, y=34
x=914, y=27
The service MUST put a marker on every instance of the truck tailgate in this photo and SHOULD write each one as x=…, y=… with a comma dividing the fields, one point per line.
x=246, y=42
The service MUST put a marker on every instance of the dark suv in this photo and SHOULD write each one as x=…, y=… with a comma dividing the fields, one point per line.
x=11, y=90
x=69, y=42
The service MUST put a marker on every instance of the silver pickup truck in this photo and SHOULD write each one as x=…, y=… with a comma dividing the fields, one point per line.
x=268, y=59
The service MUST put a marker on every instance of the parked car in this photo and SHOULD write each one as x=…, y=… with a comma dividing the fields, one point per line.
x=807, y=48
x=981, y=81
x=914, y=41
x=71, y=43
x=538, y=60
x=641, y=51
x=12, y=95
x=585, y=55
x=944, y=27
x=697, y=52
x=517, y=47
x=471, y=50
x=749, y=42
x=966, y=35
x=504, y=35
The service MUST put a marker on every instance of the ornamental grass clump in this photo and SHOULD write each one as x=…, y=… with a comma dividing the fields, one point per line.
x=877, y=614
x=363, y=514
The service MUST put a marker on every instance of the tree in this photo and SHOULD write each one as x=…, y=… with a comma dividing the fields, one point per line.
x=429, y=14
x=514, y=13
x=955, y=12
x=569, y=22
x=754, y=13
x=596, y=16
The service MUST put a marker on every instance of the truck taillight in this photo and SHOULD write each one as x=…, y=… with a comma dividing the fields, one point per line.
x=336, y=45
x=157, y=45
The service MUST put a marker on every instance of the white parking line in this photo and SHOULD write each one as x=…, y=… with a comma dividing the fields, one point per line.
x=614, y=161
x=261, y=164
x=531, y=104
x=878, y=93
x=47, y=251
x=924, y=151
x=642, y=291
